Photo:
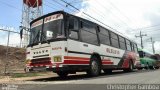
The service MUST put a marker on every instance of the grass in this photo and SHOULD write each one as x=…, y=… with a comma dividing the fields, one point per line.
x=19, y=75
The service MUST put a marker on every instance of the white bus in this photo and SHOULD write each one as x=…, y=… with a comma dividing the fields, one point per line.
x=64, y=43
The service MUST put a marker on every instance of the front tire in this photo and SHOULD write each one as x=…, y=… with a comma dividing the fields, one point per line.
x=95, y=67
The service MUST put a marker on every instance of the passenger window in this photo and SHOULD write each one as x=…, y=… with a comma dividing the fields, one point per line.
x=88, y=27
x=114, y=40
x=104, y=36
x=122, y=43
x=128, y=45
x=88, y=33
x=135, y=48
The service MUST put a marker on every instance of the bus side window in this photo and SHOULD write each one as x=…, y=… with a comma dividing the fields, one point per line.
x=114, y=40
x=73, y=28
x=122, y=43
x=132, y=46
x=88, y=33
x=73, y=23
x=104, y=36
x=135, y=48
x=128, y=44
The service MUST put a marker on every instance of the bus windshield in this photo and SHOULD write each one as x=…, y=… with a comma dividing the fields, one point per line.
x=46, y=29
x=52, y=30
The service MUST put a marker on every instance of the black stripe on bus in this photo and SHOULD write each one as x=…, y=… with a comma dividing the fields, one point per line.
x=79, y=52
x=40, y=56
x=91, y=54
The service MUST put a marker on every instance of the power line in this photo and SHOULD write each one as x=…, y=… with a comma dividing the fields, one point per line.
x=10, y=6
x=50, y=6
x=113, y=14
x=141, y=36
x=62, y=5
x=147, y=27
x=89, y=16
x=119, y=11
x=102, y=15
x=9, y=31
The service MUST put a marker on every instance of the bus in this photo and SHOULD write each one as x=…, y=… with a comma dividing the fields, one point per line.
x=64, y=43
x=147, y=60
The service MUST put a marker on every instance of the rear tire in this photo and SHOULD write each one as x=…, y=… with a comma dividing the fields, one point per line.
x=62, y=74
x=140, y=68
x=130, y=69
x=156, y=67
x=151, y=67
x=95, y=67
x=147, y=66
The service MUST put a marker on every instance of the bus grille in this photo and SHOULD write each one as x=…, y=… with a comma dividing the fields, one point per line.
x=42, y=61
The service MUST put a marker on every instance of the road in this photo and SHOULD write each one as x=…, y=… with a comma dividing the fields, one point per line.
x=82, y=82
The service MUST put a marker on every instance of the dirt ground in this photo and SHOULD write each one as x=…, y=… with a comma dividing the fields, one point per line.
x=20, y=80
x=14, y=61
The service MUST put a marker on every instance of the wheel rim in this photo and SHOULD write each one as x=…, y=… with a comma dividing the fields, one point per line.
x=94, y=66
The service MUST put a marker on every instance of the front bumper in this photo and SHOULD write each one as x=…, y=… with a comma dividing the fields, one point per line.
x=46, y=68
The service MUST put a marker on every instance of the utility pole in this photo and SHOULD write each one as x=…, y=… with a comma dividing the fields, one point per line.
x=141, y=36
x=152, y=42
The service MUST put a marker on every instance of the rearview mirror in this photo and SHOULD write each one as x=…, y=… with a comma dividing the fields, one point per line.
x=21, y=33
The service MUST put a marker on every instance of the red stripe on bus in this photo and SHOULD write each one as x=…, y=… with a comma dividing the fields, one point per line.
x=106, y=60
x=36, y=64
x=75, y=62
x=79, y=58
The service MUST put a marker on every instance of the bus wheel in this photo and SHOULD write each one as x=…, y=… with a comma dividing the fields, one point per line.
x=147, y=66
x=130, y=69
x=94, y=69
x=62, y=74
x=156, y=67
x=107, y=71
x=151, y=67
x=139, y=68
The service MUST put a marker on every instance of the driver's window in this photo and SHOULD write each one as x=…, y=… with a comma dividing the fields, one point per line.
x=73, y=23
x=73, y=28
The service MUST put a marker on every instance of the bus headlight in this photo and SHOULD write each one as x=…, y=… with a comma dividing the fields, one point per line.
x=28, y=61
x=57, y=59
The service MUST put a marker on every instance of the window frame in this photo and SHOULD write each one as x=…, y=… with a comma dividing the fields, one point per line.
x=106, y=36
x=122, y=42
x=114, y=39
x=96, y=31
x=129, y=45
x=77, y=30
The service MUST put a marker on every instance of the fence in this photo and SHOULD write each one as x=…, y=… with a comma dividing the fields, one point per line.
x=9, y=38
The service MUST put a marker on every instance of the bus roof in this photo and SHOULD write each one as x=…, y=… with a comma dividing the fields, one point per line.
x=63, y=12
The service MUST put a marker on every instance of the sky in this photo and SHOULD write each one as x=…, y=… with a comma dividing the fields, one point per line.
x=128, y=17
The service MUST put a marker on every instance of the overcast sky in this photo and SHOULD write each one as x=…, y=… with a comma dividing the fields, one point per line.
x=126, y=16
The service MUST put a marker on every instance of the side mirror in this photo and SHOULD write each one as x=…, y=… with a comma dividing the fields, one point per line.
x=21, y=33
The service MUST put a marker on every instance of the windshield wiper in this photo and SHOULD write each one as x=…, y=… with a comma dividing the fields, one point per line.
x=45, y=38
x=35, y=37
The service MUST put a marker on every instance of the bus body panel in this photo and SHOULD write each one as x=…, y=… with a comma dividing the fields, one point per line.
x=73, y=55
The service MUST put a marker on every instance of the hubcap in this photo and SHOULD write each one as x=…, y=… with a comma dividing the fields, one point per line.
x=94, y=66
